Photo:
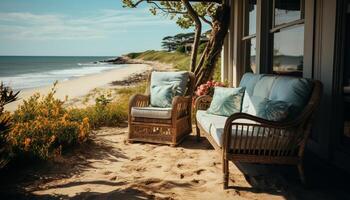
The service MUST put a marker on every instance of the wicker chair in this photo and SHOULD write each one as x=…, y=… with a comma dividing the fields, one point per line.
x=159, y=130
x=260, y=140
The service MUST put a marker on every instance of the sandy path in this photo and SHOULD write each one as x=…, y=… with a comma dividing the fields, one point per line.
x=81, y=86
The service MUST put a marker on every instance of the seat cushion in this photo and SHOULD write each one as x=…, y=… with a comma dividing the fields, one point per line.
x=226, y=101
x=178, y=80
x=151, y=112
x=214, y=125
x=162, y=95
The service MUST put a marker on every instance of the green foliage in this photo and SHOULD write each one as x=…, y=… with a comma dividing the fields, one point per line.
x=181, y=49
x=106, y=112
x=133, y=55
x=42, y=127
x=6, y=96
x=102, y=100
x=180, y=61
x=201, y=47
x=175, y=10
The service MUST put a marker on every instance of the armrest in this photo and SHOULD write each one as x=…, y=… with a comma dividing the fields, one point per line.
x=181, y=106
x=202, y=102
x=290, y=129
x=139, y=100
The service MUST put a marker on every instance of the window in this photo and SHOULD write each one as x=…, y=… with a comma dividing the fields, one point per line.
x=249, y=33
x=288, y=37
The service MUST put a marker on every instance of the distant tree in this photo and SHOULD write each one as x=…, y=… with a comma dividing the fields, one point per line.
x=168, y=43
x=187, y=15
x=181, y=49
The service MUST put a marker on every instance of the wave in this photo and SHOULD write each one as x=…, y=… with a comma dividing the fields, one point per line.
x=39, y=79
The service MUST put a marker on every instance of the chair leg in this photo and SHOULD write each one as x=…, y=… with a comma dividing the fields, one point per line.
x=198, y=134
x=301, y=173
x=226, y=173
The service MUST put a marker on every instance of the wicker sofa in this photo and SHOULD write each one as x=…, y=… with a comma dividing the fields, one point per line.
x=161, y=125
x=244, y=137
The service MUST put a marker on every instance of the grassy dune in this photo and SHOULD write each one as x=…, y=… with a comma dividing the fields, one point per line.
x=178, y=60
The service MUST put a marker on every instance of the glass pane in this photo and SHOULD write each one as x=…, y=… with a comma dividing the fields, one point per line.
x=251, y=26
x=251, y=55
x=288, y=51
x=287, y=11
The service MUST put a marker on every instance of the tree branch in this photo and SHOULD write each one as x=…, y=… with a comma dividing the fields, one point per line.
x=134, y=5
x=205, y=20
x=166, y=10
x=195, y=17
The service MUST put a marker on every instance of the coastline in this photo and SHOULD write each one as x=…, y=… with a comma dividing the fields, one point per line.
x=78, y=87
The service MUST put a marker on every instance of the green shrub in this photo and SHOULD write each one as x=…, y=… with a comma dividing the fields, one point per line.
x=42, y=127
x=202, y=47
x=181, y=49
x=106, y=112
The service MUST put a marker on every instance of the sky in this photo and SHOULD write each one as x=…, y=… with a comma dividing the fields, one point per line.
x=79, y=28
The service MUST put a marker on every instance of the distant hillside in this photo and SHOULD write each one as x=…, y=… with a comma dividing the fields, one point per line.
x=179, y=61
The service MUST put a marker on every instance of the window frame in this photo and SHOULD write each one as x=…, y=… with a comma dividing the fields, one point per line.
x=246, y=37
x=288, y=25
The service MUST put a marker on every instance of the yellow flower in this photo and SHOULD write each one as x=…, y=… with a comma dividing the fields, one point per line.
x=27, y=142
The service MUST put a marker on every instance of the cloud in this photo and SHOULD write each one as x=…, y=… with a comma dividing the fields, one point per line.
x=103, y=23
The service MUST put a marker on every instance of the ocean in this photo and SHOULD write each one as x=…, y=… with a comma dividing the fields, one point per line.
x=24, y=72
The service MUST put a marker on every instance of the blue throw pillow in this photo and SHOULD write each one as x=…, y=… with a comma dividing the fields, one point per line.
x=162, y=96
x=226, y=101
x=175, y=79
x=269, y=109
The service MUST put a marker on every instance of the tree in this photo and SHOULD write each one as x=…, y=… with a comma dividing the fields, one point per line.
x=168, y=43
x=187, y=15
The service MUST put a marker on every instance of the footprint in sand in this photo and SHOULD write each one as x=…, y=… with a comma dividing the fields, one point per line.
x=198, y=172
x=137, y=158
x=106, y=172
x=197, y=182
x=179, y=165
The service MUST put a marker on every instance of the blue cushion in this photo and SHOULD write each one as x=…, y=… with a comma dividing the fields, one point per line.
x=226, y=101
x=162, y=96
x=249, y=81
x=264, y=86
x=269, y=109
x=295, y=91
x=177, y=80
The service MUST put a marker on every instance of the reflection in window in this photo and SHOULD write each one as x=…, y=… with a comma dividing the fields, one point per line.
x=252, y=17
x=287, y=11
x=288, y=51
x=251, y=55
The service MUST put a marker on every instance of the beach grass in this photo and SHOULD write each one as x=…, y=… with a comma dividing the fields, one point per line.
x=108, y=112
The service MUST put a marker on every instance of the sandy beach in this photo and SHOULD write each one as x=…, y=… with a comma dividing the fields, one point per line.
x=81, y=86
x=108, y=167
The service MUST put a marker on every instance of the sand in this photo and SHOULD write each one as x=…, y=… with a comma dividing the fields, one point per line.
x=83, y=85
x=107, y=167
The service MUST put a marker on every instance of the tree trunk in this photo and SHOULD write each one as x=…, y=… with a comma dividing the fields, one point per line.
x=205, y=69
x=197, y=35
